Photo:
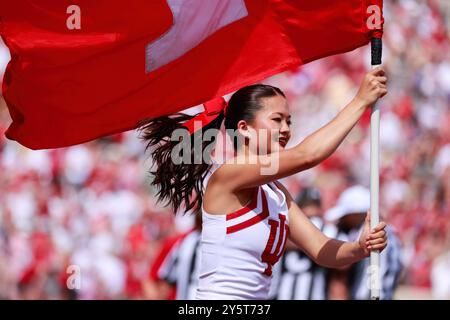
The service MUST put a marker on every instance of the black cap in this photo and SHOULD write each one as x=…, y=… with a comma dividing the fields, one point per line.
x=308, y=196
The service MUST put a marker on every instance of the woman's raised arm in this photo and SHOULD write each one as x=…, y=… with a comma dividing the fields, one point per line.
x=242, y=173
x=327, y=252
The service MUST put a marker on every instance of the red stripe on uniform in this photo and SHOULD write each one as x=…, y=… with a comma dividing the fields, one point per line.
x=266, y=256
x=250, y=222
x=281, y=238
x=251, y=206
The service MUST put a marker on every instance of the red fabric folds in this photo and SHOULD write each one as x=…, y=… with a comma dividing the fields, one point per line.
x=137, y=59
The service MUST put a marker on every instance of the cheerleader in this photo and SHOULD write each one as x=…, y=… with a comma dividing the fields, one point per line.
x=247, y=213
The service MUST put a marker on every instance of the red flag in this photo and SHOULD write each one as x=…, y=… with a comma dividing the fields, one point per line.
x=82, y=69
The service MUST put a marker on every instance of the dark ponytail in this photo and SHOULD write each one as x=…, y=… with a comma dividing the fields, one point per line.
x=182, y=184
x=177, y=183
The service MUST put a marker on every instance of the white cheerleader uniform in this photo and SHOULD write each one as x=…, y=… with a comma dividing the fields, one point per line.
x=239, y=249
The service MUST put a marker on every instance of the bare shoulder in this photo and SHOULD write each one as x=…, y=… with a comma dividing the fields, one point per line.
x=216, y=183
x=227, y=172
x=214, y=195
x=219, y=198
x=219, y=178
x=220, y=174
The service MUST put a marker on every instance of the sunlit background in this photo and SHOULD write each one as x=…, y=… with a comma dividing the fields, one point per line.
x=91, y=205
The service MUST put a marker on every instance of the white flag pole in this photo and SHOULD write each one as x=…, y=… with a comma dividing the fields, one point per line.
x=375, y=281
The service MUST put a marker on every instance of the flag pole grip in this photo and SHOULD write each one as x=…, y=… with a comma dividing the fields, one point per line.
x=375, y=281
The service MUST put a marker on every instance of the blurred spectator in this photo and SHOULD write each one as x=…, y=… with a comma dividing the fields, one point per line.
x=440, y=277
x=174, y=273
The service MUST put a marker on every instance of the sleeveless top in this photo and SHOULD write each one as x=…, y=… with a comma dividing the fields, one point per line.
x=239, y=249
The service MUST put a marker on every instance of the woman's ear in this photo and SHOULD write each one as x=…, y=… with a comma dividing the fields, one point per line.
x=243, y=128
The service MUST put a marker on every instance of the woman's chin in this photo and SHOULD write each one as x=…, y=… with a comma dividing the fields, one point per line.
x=277, y=147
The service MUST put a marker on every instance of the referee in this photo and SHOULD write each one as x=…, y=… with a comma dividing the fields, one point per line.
x=349, y=215
x=174, y=273
x=296, y=276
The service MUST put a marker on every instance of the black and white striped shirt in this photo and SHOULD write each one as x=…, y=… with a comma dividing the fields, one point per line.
x=297, y=277
x=181, y=265
x=390, y=269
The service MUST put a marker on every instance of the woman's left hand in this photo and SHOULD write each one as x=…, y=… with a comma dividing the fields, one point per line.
x=371, y=240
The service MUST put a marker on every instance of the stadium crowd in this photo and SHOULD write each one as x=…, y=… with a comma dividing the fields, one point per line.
x=91, y=206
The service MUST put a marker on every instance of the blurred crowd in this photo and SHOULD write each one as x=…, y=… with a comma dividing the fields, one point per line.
x=86, y=218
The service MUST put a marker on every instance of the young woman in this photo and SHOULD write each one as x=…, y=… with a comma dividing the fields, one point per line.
x=247, y=214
